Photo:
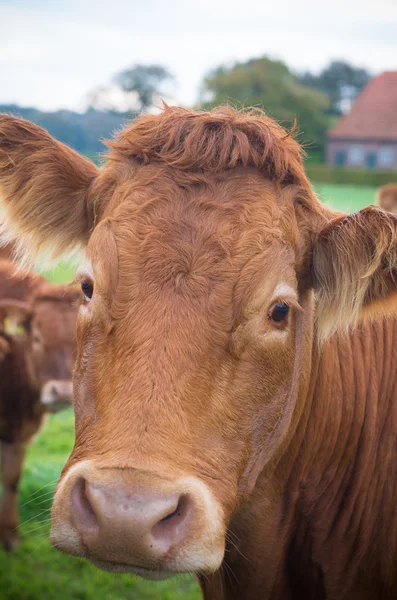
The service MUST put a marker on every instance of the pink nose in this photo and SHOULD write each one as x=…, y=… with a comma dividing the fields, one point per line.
x=120, y=525
x=56, y=394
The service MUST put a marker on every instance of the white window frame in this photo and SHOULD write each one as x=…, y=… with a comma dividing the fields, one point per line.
x=386, y=157
x=356, y=155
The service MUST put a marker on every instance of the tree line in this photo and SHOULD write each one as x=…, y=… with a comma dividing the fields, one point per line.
x=314, y=101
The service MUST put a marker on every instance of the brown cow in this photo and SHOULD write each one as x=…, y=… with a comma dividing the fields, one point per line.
x=17, y=283
x=7, y=251
x=35, y=371
x=54, y=309
x=21, y=412
x=218, y=429
x=386, y=197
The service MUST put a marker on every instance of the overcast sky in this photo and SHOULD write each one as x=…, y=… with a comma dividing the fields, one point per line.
x=53, y=52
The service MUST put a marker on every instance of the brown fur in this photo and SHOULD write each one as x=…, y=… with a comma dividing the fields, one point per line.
x=20, y=389
x=386, y=197
x=21, y=413
x=202, y=222
x=54, y=310
x=25, y=151
x=217, y=141
x=7, y=252
x=347, y=281
x=17, y=283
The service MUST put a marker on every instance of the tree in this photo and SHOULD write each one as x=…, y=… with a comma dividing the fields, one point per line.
x=108, y=99
x=340, y=81
x=271, y=85
x=143, y=83
x=132, y=91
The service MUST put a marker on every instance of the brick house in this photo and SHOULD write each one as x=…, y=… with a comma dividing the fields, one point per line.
x=367, y=136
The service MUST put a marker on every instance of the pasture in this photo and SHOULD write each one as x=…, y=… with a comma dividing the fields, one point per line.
x=36, y=571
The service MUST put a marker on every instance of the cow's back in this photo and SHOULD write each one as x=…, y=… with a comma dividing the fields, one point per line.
x=17, y=283
x=7, y=252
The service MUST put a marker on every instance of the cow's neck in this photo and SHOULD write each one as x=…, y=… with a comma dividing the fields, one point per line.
x=312, y=519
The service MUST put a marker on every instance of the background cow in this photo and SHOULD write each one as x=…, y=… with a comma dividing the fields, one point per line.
x=21, y=412
x=7, y=251
x=37, y=346
x=220, y=428
x=386, y=197
x=54, y=309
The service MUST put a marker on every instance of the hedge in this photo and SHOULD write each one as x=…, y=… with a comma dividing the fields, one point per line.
x=327, y=174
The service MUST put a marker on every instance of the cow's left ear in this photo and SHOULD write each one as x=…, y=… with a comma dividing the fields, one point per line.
x=15, y=317
x=354, y=268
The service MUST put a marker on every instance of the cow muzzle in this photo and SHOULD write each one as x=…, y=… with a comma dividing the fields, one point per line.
x=128, y=520
x=56, y=395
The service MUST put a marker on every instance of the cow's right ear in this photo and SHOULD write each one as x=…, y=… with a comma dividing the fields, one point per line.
x=44, y=190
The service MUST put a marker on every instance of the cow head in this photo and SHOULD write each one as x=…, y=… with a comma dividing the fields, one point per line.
x=15, y=328
x=205, y=244
x=53, y=329
x=386, y=197
x=20, y=407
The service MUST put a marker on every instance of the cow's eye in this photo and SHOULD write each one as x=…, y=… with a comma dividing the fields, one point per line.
x=87, y=287
x=278, y=312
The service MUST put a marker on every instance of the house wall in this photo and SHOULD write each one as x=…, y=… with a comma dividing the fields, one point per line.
x=362, y=154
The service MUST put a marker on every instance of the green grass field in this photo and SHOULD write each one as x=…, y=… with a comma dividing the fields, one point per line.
x=347, y=198
x=36, y=571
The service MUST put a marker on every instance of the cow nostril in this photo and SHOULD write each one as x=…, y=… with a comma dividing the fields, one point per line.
x=177, y=512
x=170, y=516
x=83, y=513
x=171, y=528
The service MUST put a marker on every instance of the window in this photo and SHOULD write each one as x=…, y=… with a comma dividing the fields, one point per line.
x=339, y=158
x=370, y=160
x=356, y=155
x=386, y=157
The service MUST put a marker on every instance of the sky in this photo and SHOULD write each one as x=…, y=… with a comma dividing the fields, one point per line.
x=54, y=52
